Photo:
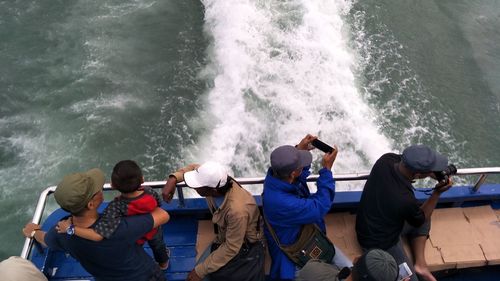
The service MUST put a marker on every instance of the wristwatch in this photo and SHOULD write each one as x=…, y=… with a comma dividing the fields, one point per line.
x=70, y=230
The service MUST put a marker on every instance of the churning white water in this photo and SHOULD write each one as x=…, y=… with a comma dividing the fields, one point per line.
x=282, y=69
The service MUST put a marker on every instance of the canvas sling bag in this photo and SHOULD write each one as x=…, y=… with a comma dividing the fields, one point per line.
x=311, y=243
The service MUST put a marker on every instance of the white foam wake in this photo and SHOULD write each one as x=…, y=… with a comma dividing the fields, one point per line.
x=281, y=70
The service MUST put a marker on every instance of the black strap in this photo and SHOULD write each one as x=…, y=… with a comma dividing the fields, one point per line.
x=273, y=234
x=271, y=230
x=216, y=227
x=344, y=273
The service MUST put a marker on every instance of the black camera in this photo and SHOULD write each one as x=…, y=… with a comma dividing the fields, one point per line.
x=446, y=173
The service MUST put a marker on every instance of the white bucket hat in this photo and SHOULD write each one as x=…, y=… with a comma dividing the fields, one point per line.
x=209, y=174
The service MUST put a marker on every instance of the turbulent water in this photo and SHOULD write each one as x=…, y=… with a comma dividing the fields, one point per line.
x=86, y=83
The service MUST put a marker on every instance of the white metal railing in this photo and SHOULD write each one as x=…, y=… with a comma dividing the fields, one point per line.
x=37, y=217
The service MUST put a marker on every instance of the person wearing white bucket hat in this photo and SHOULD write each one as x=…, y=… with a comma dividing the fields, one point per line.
x=210, y=174
x=237, y=253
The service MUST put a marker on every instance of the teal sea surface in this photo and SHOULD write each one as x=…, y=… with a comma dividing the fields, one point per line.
x=86, y=83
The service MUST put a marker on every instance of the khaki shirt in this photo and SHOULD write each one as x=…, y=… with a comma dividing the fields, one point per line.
x=236, y=219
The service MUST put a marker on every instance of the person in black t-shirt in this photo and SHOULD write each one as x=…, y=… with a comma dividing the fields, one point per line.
x=389, y=209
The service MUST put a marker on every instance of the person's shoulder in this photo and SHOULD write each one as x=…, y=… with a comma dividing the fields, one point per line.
x=148, y=190
x=237, y=191
x=280, y=192
x=273, y=184
x=17, y=268
x=390, y=156
x=388, y=159
x=149, y=197
x=236, y=196
x=118, y=205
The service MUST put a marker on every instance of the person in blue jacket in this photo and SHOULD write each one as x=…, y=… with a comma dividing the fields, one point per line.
x=288, y=203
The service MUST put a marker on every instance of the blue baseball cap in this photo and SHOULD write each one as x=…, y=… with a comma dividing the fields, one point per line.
x=285, y=159
x=421, y=158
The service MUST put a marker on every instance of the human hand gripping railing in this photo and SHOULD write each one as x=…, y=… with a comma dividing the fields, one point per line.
x=28, y=243
x=37, y=217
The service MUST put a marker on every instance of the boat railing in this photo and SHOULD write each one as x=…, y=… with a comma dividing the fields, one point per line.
x=42, y=200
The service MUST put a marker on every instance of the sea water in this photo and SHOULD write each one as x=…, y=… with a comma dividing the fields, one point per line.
x=86, y=83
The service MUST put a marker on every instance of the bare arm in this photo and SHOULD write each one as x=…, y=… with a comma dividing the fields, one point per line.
x=168, y=190
x=39, y=235
x=160, y=217
x=431, y=202
x=87, y=233
x=178, y=176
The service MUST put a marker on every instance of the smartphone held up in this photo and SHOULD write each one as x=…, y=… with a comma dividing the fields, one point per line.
x=322, y=146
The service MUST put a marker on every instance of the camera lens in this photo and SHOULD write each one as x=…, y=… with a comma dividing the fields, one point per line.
x=444, y=174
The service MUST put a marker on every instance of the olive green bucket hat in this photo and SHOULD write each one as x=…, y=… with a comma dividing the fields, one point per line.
x=76, y=190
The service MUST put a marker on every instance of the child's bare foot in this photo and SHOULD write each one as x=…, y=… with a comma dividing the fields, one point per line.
x=424, y=273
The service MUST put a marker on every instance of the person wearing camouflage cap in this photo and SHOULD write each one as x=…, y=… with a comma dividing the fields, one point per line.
x=116, y=258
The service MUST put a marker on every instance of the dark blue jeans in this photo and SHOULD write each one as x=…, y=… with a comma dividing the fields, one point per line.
x=158, y=275
x=158, y=246
x=397, y=250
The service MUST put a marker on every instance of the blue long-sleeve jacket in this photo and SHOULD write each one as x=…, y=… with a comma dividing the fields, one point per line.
x=289, y=206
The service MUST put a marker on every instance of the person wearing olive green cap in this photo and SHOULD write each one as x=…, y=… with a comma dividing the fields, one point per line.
x=77, y=190
x=80, y=194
